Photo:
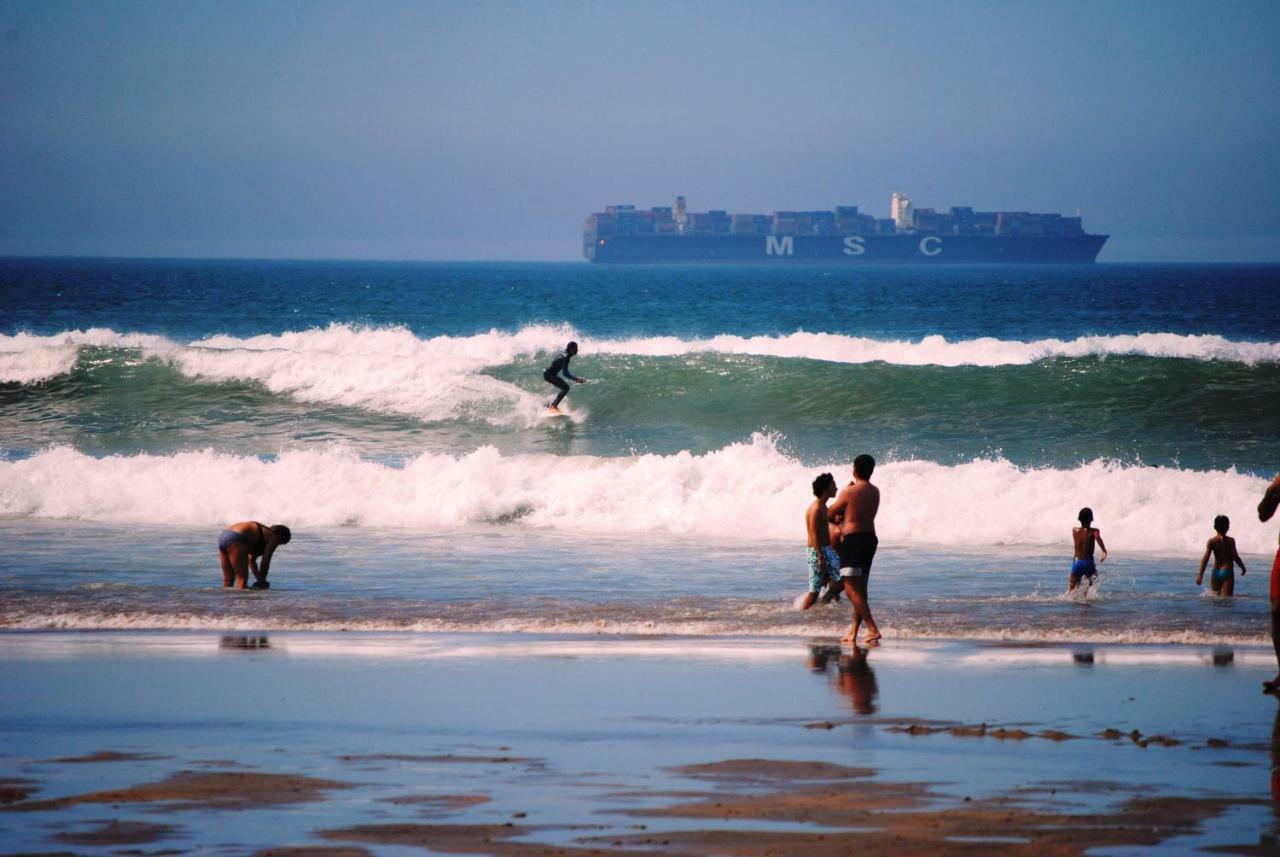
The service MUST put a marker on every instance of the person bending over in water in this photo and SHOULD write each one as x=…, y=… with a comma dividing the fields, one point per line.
x=239, y=545
x=856, y=508
x=824, y=565
x=1267, y=508
x=558, y=367
x=1084, y=537
x=1225, y=558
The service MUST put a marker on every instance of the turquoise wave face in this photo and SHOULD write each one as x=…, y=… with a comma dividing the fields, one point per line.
x=1199, y=414
x=1166, y=412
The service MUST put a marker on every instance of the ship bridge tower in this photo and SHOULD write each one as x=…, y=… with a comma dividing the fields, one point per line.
x=680, y=215
x=903, y=217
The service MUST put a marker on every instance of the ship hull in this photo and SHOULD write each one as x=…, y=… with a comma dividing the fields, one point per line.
x=909, y=249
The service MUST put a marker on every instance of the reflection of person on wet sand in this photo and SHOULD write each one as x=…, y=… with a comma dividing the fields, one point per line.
x=1275, y=763
x=1267, y=508
x=241, y=641
x=853, y=676
x=858, y=681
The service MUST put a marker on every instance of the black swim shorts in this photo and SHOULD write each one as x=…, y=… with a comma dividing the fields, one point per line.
x=857, y=550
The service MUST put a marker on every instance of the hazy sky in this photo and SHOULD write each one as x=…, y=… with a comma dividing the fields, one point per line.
x=468, y=130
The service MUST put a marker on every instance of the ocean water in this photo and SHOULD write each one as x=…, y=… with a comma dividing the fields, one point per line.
x=391, y=413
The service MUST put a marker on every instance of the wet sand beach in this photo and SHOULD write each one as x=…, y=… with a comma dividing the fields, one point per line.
x=342, y=744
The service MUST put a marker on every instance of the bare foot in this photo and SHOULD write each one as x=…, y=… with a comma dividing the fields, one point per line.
x=850, y=637
x=872, y=637
x=553, y=409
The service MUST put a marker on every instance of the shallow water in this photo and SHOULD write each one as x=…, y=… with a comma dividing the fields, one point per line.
x=510, y=579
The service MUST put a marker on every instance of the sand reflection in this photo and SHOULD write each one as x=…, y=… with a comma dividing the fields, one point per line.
x=244, y=642
x=849, y=673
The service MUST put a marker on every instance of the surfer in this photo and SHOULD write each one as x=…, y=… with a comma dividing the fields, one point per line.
x=856, y=508
x=240, y=544
x=1267, y=508
x=824, y=564
x=1225, y=558
x=558, y=367
x=1083, y=537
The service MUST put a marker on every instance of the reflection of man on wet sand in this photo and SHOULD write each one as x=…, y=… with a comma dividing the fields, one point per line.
x=1275, y=764
x=1267, y=508
x=858, y=681
x=853, y=675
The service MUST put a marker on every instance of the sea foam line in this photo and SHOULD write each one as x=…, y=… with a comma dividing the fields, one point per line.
x=760, y=628
x=750, y=491
x=939, y=351
x=324, y=361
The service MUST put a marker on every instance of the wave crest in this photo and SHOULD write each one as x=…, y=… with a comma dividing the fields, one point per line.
x=749, y=491
x=350, y=363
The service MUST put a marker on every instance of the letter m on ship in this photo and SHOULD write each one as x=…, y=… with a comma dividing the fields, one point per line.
x=778, y=245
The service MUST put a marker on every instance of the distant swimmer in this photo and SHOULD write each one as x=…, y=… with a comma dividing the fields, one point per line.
x=1225, y=558
x=558, y=367
x=824, y=564
x=1267, y=508
x=856, y=508
x=239, y=545
x=1084, y=537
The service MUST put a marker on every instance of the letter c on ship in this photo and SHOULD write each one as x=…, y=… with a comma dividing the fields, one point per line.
x=855, y=245
x=931, y=249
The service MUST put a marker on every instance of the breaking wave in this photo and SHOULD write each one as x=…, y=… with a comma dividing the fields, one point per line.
x=750, y=491
x=349, y=364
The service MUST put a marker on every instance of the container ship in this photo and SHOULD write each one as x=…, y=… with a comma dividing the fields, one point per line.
x=914, y=236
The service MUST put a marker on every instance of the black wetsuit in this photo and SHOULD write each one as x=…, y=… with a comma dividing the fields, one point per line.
x=552, y=376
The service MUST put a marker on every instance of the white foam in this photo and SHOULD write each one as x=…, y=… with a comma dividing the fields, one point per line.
x=383, y=369
x=29, y=359
x=746, y=491
x=392, y=369
x=760, y=627
x=939, y=351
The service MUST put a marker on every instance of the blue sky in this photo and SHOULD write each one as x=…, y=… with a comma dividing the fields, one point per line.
x=489, y=130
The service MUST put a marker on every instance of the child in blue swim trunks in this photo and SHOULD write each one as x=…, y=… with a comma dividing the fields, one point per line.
x=1225, y=558
x=824, y=564
x=1084, y=538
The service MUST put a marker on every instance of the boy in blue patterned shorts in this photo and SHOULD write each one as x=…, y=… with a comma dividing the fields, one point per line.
x=824, y=564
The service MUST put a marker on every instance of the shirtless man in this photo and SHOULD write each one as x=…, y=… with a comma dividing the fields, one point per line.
x=239, y=545
x=824, y=565
x=856, y=508
x=1267, y=508
x=1225, y=558
x=1084, y=537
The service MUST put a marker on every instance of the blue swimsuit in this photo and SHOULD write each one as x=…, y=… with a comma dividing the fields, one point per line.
x=229, y=537
x=1083, y=568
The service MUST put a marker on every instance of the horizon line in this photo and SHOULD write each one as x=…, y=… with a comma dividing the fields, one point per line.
x=693, y=264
